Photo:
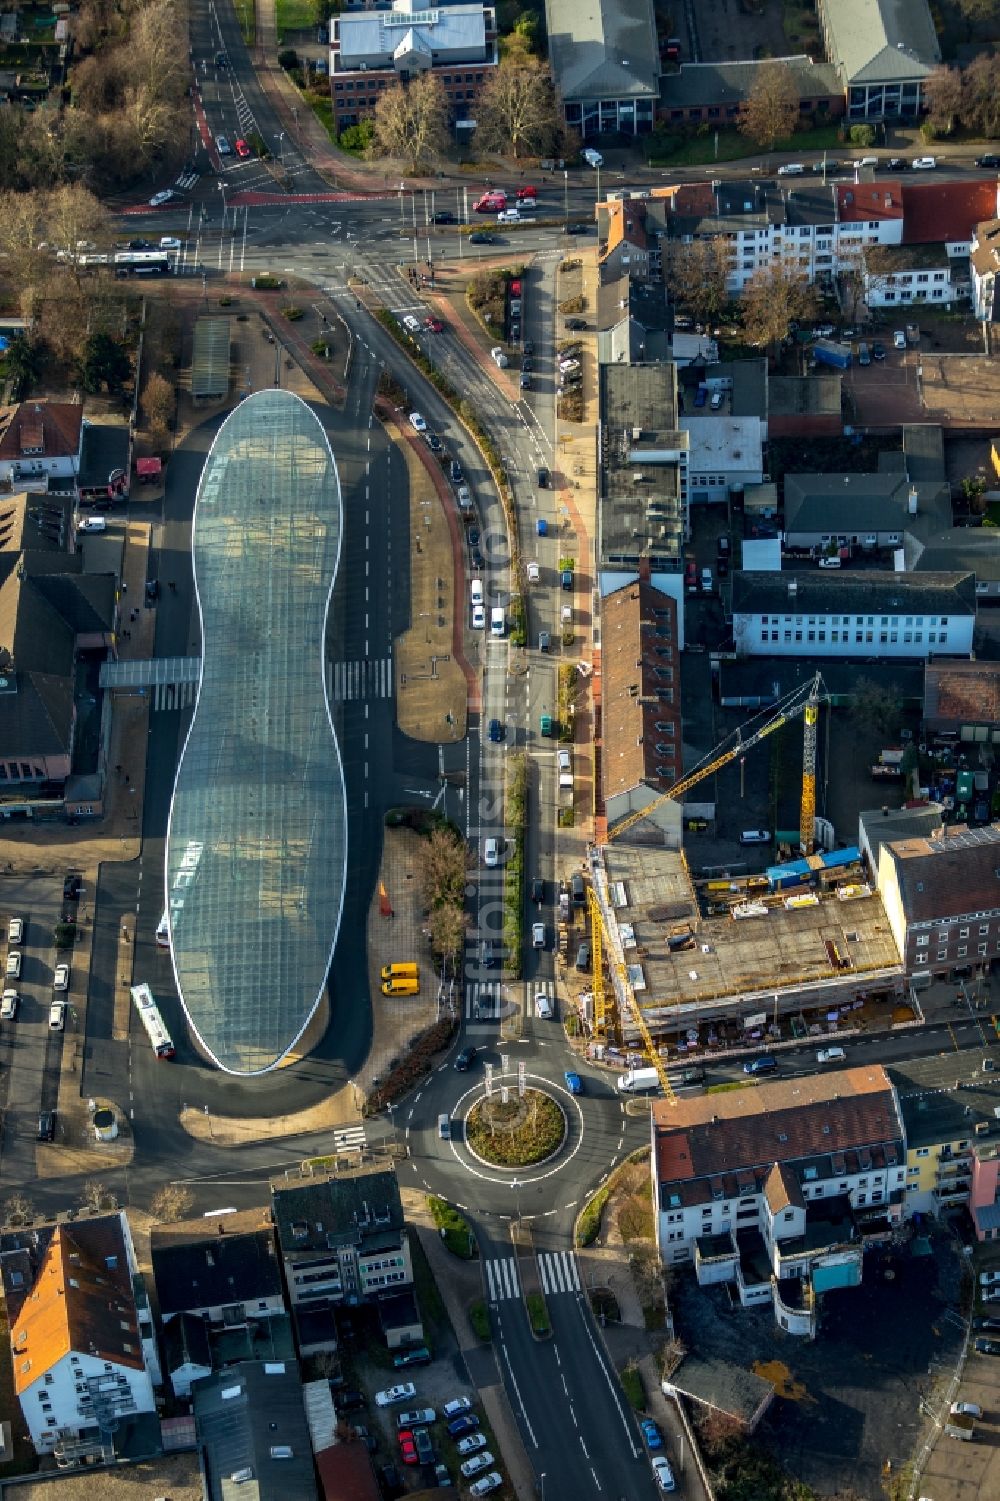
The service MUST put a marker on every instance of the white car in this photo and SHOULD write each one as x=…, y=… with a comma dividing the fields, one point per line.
x=393, y=1394
x=497, y=354
x=464, y=497
x=15, y=930
x=9, y=1004
x=472, y=1444
x=476, y=595
x=966, y=1410
x=470, y=1467
x=831, y=1055
x=591, y=157
x=491, y=853
x=491, y=1482
x=898, y=339
x=663, y=1474
x=923, y=163
x=833, y=562
x=453, y=1409
x=543, y=1006
x=60, y=980
x=418, y=423
x=411, y=323
x=478, y=617
x=92, y=524
x=13, y=970
x=167, y=193
x=169, y=242
x=57, y=1016
x=538, y=935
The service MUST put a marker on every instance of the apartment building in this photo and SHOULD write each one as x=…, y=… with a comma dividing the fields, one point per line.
x=222, y=1269
x=40, y=444
x=876, y=614
x=83, y=1351
x=778, y=1189
x=984, y=261
x=951, y=1115
x=942, y=898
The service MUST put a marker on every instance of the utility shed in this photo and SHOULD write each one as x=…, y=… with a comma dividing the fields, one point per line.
x=210, y=360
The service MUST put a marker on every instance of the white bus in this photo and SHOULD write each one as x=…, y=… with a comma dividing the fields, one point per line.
x=163, y=932
x=149, y=1015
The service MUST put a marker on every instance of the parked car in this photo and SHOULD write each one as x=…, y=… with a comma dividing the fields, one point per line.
x=478, y=617
x=538, y=935
x=765, y=1064
x=663, y=1474
x=393, y=1394
x=466, y=1422
x=419, y=1355
x=878, y=350
x=349, y=1399
x=831, y=1055
x=242, y=149
x=988, y=1346
x=992, y=1326
x=8, y=1005
x=413, y=1416
x=47, y=1125
x=12, y=968
x=472, y=1444
x=15, y=930
x=407, y=1447
x=60, y=979
x=57, y=1016
x=489, y=1483
x=651, y=1434
x=989, y=160
x=924, y=163
x=470, y=1467
x=966, y=1410
x=425, y=1449
x=452, y=1408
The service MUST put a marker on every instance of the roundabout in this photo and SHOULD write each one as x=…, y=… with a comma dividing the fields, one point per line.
x=516, y=1131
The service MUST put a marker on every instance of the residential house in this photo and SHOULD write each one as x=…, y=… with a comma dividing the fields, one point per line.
x=187, y=1352
x=984, y=260
x=942, y=898
x=375, y=49
x=962, y=702
x=40, y=444
x=779, y=1189
x=711, y=93
x=642, y=484
x=876, y=614
x=863, y=512
x=223, y=1269
x=726, y=449
x=946, y=211
x=634, y=322
x=251, y=1427
x=82, y=1374
x=915, y=273
x=883, y=51
x=951, y=1115
x=342, y=1241
x=605, y=64
x=641, y=732
x=105, y=463
x=625, y=249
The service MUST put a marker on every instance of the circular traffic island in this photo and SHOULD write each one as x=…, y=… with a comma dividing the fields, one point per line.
x=515, y=1132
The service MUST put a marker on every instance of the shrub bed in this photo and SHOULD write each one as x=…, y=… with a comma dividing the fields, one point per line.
x=538, y=1314
x=518, y=1133
x=479, y=1318
x=588, y=1226
x=456, y=1232
x=409, y=1070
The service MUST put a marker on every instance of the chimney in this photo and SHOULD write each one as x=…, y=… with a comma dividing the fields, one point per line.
x=645, y=571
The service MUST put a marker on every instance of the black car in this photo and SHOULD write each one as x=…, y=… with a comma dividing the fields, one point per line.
x=989, y=160
x=152, y=591
x=895, y=164
x=692, y=1076
x=455, y=471
x=348, y=1399
x=47, y=1125
x=988, y=1346
x=527, y=363
x=473, y=536
x=444, y=218
x=72, y=886
x=478, y=561
x=526, y=382
x=528, y=347
x=141, y=245
x=576, y=229
x=878, y=351
x=543, y=479
x=496, y=731
x=574, y=323
x=221, y=60
x=992, y=1326
x=465, y=1059
x=425, y=1449
x=480, y=237
x=538, y=891
x=433, y=442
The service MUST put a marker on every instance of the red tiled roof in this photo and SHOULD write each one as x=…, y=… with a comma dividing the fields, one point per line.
x=52, y=426
x=937, y=211
x=869, y=200
x=636, y=660
x=345, y=1473
x=962, y=692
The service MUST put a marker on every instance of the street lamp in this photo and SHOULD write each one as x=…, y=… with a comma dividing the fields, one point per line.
x=542, y=1480
x=281, y=147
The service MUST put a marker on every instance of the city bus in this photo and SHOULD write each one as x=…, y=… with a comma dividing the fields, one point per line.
x=149, y=1015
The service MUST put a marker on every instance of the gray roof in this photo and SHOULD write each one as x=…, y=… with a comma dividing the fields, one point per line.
x=103, y=449
x=204, y=1270
x=768, y=679
x=748, y=397
x=923, y=452
x=794, y=395
x=728, y=1387
x=320, y=1214
x=639, y=520
x=944, y=1098
x=186, y=1342
x=257, y=842
x=881, y=41
x=210, y=357
x=603, y=49
x=730, y=83
x=900, y=823
x=828, y=503
x=247, y=1418
x=974, y=548
x=852, y=593
x=638, y=332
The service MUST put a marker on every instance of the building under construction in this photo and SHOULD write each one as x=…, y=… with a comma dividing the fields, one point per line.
x=809, y=951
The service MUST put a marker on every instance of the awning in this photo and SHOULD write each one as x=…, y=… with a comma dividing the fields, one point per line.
x=148, y=468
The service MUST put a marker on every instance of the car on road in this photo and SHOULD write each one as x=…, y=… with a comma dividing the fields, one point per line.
x=652, y=1437
x=924, y=163
x=455, y=472
x=496, y=731
x=415, y=1416
x=8, y=1005
x=481, y=237
x=691, y=1076
x=489, y=1483
x=242, y=149
x=452, y=1408
x=13, y=966
x=47, y=1125
x=470, y=1467
x=443, y=217
x=988, y=1346
x=433, y=442
x=663, y=1474
x=538, y=935
x=526, y=383
x=15, y=930
x=544, y=640
x=93, y=524
x=543, y=1006
x=537, y=891
x=765, y=1064
x=472, y=1444
x=491, y=853
x=476, y=596
x=60, y=980
x=57, y=1016
x=831, y=1055
x=408, y=1448
x=466, y=1422
x=411, y=323
x=989, y=160
x=222, y=146
x=573, y=1082
x=393, y=1394
x=463, y=1062
x=576, y=229
x=140, y=245
x=542, y=475
x=419, y=1355
x=479, y=617
x=418, y=423
x=434, y=325
x=992, y=1326
x=473, y=536
x=164, y=196
x=170, y=242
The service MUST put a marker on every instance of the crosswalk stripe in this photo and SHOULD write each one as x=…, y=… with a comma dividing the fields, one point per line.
x=349, y=1139
x=559, y=1272
x=348, y=681
x=501, y=1276
x=482, y=998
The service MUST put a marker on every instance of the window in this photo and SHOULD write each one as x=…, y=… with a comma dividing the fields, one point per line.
x=922, y=958
x=963, y=950
x=963, y=932
x=923, y=1151
x=942, y=955
x=923, y=940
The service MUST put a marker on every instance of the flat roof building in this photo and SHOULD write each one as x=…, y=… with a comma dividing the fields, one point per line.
x=257, y=838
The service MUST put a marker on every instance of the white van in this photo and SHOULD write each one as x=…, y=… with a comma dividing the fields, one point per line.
x=755, y=836
x=509, y=216
x=498, y=622
x=476, y=591
x=499, y=357
x=638, y=1081
x=791, y=169
x=533, y=573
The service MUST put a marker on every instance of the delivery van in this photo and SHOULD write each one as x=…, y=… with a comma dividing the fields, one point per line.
x=399, y=972
x=638, y=1081
x=404, y=986
x=498, y=621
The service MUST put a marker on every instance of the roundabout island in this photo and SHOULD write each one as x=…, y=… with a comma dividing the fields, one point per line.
x=506, y=1129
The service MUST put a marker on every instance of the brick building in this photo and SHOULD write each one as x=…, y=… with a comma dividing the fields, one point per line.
x=942, y=898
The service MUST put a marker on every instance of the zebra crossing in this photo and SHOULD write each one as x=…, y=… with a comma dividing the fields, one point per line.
x=484, y=998
x=559, y=1272
x=186, y=180
x=346, y=681
x=349, y=1139
x=502, y=1279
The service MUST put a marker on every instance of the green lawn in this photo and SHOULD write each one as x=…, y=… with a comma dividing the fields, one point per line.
x=699, y=150
x=322, y=107
x=295, y=15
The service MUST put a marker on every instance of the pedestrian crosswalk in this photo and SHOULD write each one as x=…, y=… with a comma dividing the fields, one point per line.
x=484, y=998
x=349, y=1139
x=359, y=680
x=558, y=1271
x=502, y=1279
x=186, y=180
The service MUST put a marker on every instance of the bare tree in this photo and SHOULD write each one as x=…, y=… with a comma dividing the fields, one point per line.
x=411, y=122
x=772, y=299
x=158, y=405
x=943, y=93
x=876, y=707
x=97, y=1197
x=445, y=864
x=696, y=275
x=977, y=10
x=771, y=112
x=448, y=925
x=171, y=1202
x=516, y=107
x=73, y=215
x=881, y=262
x=19, y=1210
x=981, y=96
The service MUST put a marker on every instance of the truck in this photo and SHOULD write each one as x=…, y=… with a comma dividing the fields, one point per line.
x=494, y=201
x=959, y=1425
x=825, y=352
x=638, y=1081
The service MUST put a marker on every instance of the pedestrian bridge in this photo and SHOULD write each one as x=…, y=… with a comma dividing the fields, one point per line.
x=169, y=682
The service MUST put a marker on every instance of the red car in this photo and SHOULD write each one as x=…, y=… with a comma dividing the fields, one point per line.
x=515, y=289
x=242, y=149
x=434, y=325
x=408, y=1448
x=527, y=193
